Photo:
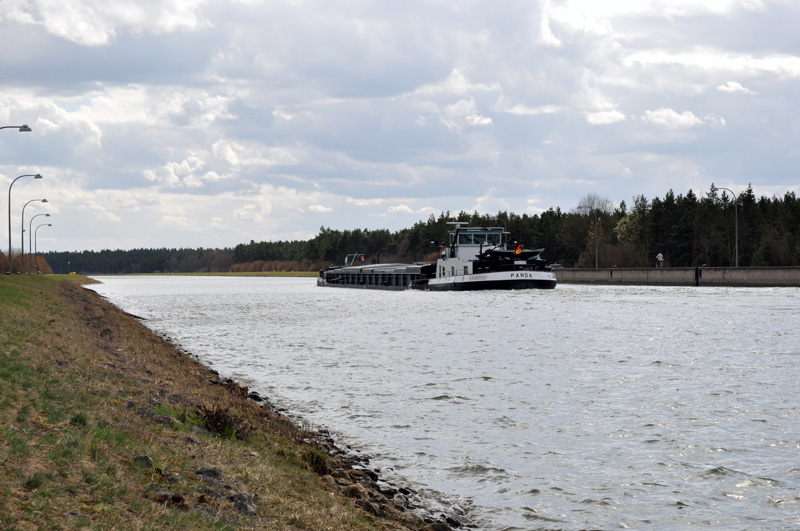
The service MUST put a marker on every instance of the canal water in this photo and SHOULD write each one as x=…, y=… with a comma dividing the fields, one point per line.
x=602, y=407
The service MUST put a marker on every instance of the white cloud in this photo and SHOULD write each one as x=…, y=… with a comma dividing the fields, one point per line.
x=463, y=111
x=709, y=60
x=662, y=8
x=98, y=23
x=667, y=118
x=546, y=35
x=604, y=117
x=713, y=120
x=405, y=209
x=670, y=119
x=367, y=202
x=251, y=154
x=188, y=173
x=457, y=84
x=529, y=111
x=282, y=114
x=734, y=87
x=491, y=202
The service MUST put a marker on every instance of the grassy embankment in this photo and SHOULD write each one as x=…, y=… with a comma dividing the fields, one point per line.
x=105, y=425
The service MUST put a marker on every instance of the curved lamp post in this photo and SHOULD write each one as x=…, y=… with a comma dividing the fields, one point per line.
x=21, y=128
x=30, y=248
x=35, y=176
x=36, y=253
x=22, y=231
x=595, y=233
x=715, y=189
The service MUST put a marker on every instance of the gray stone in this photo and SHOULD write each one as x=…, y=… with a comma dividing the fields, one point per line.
x=212, y=476
x=143, y=461
x=245, y=509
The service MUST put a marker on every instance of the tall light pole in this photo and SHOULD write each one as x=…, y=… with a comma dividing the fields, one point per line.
x=36, y=253
x=30, y=249
x=715, y=189
x=20, y=128
x=22, y=231
x=35, y=176
x=595, y=234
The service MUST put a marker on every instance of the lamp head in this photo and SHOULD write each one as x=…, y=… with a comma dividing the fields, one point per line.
x=24, y=129
x=47, y=215
x=714, y=189
x=44, y=200
x=37, y=176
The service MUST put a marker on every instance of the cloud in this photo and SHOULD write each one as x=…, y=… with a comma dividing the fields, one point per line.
x=188, y=174
x=524, y=110
x=670, y=119
x=463, y=112
x=546, y=35
x=658, y=8
x=734, y=87
x=205, y=123
x=250, y=154
x=710, y=60
x=604, y=117
x=99, y=23
x=457, y=84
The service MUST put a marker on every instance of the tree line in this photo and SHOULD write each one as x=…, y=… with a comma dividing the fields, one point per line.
x=140, y=261
x=690, y=231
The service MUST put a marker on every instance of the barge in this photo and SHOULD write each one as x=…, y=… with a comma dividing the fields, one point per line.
x=477, y=258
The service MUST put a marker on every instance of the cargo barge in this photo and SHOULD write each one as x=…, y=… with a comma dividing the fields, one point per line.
x=476, y=258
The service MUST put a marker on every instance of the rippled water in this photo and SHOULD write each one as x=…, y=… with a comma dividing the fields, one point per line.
x=602, y=407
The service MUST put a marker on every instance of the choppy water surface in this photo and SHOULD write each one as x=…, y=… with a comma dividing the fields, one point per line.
x=579, y=407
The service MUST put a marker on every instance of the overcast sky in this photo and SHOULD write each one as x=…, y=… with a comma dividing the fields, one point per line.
x=204, y=123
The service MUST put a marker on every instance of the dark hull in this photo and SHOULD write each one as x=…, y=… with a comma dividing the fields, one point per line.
x=362, y=286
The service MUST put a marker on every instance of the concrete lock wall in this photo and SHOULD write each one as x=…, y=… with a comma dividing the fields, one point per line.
x=685, y=276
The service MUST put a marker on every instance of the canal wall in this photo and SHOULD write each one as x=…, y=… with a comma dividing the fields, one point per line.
x=685, y=276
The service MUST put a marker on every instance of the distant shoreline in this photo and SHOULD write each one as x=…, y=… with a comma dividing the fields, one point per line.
x=745, y=277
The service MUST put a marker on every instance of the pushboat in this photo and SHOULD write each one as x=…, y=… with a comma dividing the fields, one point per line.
x=477, y=258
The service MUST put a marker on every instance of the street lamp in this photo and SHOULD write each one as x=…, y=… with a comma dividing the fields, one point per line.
x=36, y=253
x=22, y=231
x=30, y=248
x=35, y=176
x=595, y=234
x=21, y=128
x=715, y=189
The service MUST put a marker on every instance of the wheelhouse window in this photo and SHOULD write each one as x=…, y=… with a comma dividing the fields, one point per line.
x=479, y=238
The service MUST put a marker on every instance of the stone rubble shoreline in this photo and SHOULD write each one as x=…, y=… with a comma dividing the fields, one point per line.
x=343, y=471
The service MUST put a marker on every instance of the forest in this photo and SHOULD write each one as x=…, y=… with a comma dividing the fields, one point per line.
x=689, y=230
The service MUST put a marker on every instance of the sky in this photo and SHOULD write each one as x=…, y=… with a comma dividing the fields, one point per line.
x=209, y=123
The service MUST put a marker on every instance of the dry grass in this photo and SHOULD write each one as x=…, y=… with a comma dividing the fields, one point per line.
x=105, y=425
